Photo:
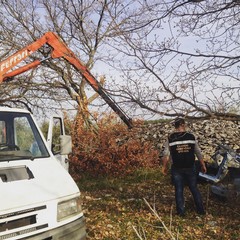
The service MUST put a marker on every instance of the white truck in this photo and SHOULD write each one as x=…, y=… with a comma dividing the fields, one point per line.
x=39, y=199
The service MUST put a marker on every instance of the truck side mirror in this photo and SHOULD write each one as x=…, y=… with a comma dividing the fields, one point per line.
x=65, y=144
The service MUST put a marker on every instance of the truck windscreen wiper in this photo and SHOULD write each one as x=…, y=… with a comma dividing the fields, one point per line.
x=14, y=155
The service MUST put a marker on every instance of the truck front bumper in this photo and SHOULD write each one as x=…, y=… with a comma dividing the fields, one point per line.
x=73, y=231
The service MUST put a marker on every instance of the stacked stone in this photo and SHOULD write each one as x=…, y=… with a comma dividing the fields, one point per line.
x=208, y=132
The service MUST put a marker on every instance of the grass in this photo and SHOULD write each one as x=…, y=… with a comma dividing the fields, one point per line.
x=142, y=206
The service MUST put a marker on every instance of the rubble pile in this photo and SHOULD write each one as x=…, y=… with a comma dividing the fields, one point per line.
x=208, y=132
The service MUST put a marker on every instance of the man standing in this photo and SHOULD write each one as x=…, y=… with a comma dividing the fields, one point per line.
x=181, y=148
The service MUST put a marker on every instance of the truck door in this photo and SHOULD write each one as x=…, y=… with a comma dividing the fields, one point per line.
x=58, y=141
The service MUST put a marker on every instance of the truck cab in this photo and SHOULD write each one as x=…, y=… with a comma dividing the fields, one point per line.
x=39, y=199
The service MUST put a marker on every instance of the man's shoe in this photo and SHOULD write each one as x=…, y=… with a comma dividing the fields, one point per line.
x=182, y=214
x=202, y=212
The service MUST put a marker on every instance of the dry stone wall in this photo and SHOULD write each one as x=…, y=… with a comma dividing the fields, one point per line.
x=208, y=133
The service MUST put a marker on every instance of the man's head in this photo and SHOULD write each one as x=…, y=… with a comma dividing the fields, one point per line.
x=179, y=122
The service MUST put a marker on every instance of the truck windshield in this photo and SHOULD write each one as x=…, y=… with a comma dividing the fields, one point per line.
x=19, y=138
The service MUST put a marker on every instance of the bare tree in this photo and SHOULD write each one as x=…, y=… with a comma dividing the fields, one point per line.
x=182, y=58
x=83, y=25
x=165, y=57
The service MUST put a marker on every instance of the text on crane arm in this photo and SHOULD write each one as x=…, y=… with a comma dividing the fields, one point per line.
x=14, y=60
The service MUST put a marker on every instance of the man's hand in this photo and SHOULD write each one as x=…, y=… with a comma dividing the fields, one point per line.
x=203, y=167
x=164, y=170
x=165, y=161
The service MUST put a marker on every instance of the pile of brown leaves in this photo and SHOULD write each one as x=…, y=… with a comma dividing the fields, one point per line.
x=110, y=149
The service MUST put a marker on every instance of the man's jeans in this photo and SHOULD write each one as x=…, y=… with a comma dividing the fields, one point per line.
x=187, y=177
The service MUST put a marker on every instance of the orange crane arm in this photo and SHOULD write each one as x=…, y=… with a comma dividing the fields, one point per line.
x=59, y=50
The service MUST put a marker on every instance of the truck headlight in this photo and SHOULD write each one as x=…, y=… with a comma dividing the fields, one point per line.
x=68, y=208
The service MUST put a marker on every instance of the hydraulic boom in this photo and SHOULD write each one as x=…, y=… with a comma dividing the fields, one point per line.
x=59, y=50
